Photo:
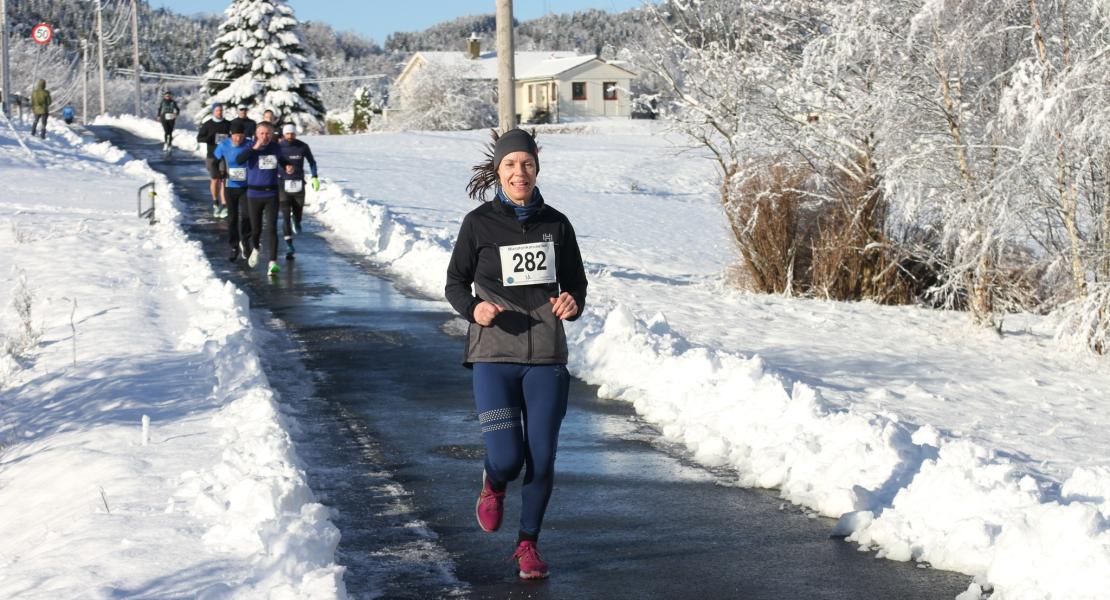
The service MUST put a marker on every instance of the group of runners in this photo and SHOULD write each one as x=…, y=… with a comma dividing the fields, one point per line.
x=255, y=169
x=515, y=275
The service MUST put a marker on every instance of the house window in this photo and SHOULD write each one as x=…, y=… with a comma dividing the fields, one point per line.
x=609, y=89
x=578, y=90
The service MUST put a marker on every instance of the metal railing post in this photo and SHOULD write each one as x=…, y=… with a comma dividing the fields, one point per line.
x=149, y=214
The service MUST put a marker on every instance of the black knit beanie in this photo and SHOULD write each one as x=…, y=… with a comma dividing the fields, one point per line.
x=515, y=140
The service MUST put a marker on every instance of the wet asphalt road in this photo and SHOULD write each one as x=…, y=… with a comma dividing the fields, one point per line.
x=376, y=386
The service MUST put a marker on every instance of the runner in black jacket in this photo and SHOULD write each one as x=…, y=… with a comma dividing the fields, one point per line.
x=167, y=116
x=248, y=123
x=522, y=258
x=211, y=133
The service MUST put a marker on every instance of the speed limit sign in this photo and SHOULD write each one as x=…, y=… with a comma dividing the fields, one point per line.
x=42, y=33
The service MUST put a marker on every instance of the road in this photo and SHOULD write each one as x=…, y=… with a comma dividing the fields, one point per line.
x=392, y=444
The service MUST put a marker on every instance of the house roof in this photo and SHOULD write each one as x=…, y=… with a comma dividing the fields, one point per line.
x=529, y=65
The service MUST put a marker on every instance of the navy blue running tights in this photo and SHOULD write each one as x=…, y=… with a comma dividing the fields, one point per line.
x=520, y=409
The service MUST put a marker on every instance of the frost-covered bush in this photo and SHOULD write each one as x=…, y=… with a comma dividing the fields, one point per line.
x=445, y=99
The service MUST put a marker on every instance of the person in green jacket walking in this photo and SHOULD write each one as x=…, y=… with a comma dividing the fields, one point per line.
x=40, y=106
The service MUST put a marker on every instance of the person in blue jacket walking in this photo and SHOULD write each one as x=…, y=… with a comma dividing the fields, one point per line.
x=238, y=224
x=263, y=159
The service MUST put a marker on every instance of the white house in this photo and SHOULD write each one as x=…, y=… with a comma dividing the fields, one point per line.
x=563, y=85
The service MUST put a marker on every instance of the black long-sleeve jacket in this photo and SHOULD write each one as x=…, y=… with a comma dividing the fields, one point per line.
x=213, y=132
x=168, y=107
x=527, y=331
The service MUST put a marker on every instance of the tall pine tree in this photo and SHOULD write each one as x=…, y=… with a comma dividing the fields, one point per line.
x=259, y=60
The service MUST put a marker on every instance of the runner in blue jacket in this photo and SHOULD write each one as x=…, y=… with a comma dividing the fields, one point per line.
x=238, y=224
x=263, y=159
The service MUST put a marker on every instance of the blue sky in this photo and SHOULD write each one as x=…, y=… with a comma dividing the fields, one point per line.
x=378, y=18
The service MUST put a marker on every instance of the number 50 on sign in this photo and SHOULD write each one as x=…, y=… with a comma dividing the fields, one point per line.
x=42, y=33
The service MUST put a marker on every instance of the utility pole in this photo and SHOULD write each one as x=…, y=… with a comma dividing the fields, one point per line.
x=100, y=51
x=506, y=71
x=5, y=78
x=84, y=81
x=135, y=56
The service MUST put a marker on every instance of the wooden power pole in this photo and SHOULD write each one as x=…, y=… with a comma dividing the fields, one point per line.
x=506, y=71
x=135, y=56
x=100, y=51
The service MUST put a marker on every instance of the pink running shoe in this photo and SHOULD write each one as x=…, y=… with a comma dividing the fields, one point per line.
x=491, y=506
x=528, y=561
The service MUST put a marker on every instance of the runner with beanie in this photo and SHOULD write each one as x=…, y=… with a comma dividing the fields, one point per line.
x=211, y=133
x=516, y=274
x=235, y=189
x=291, y=193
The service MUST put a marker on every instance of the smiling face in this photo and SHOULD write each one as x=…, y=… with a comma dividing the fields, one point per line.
x=517, y=175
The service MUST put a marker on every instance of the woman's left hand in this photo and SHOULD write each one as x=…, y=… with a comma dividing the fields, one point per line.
x=564, y=306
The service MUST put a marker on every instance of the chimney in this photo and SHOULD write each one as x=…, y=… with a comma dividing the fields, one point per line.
x=474, y=45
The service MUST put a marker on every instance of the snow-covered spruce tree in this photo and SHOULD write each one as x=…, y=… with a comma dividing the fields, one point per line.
x=259, y=59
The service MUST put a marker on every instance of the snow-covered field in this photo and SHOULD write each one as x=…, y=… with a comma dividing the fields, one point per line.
x=929, y=440
x=142, y=452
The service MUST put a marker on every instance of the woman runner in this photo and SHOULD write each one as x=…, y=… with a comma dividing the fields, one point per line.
x=522, y=258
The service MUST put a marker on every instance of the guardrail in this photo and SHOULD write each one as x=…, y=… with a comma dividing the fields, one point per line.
x=148, y=213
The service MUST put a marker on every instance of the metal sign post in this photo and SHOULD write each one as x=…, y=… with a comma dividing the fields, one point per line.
x=5, y=76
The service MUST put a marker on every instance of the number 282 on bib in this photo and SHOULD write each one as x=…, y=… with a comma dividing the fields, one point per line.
x=528, y=264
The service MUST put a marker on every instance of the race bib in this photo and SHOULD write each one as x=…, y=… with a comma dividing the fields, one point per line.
x=294, y=186
x=528, y=264
x=267, y=161
x=237, y=173
x=220, y=137
x=171, y=116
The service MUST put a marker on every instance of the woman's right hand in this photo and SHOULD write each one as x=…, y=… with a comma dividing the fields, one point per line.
x=486, y=312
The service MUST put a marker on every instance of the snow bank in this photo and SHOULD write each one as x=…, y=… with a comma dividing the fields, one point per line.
x=210, y=500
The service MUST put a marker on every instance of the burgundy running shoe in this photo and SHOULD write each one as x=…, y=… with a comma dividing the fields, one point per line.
x=491, y=506
x=528, y=561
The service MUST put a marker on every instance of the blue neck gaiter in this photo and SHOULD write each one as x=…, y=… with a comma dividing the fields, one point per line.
x=523, y=213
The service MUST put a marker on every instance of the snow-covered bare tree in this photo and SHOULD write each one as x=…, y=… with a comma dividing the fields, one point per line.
x=713, y=58
x=442, y=98
x=259, y=59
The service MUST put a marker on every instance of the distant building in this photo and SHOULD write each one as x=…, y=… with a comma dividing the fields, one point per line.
x=550, y=86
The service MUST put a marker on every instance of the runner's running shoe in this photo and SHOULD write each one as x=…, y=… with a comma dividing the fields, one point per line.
x=274, y=268
x=234, y=255
x=223, y=212
x=491, y=506
x=216, y=210
x=528, y=561
x=252, y=259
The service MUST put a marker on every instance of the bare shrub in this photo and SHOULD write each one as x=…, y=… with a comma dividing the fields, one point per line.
x=801, y=232
x=763, y=215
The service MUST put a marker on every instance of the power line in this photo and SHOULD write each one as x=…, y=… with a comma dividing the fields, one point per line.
x=202, y=79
